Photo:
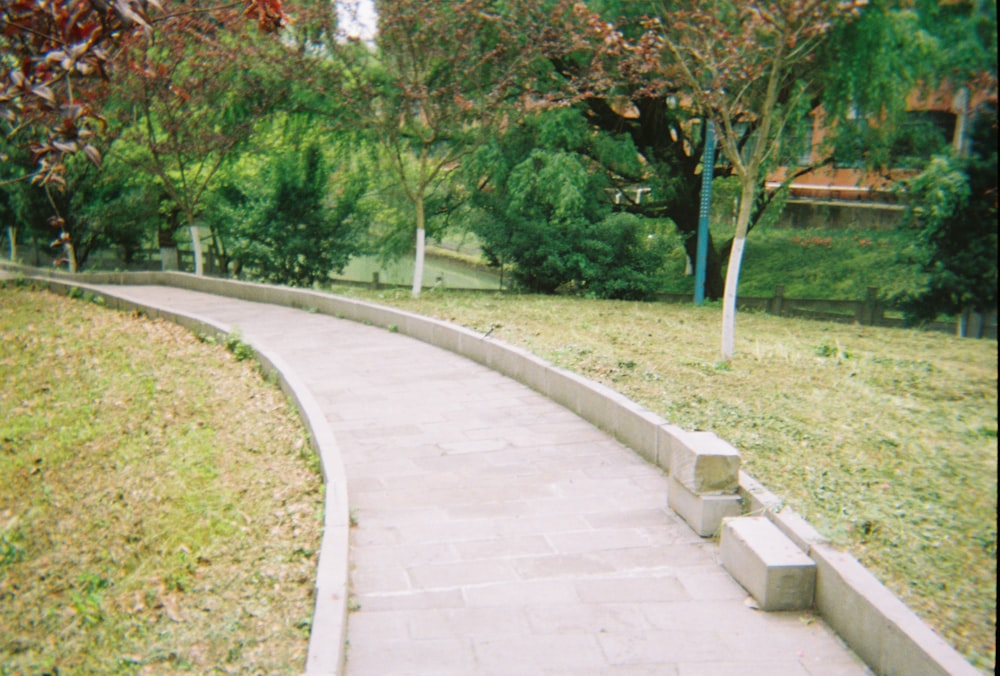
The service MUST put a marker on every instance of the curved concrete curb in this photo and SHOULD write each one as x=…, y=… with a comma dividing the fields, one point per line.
x=879, y=627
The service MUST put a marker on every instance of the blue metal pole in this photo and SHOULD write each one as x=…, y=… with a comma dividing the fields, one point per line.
x=707, y=169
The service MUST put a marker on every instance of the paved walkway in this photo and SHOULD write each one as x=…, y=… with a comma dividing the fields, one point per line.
x=497, y=533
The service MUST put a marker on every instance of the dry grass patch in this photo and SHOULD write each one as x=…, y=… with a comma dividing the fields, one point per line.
x=885, y=439
x=160, y=509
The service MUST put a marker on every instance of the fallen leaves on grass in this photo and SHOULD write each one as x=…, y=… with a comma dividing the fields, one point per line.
x=139, y=475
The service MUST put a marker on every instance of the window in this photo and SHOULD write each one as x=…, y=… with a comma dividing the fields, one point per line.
x=851, y=141
x=922, y=134
x=796, y=144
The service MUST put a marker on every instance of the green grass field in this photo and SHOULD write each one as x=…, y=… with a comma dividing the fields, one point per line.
x=814, y=263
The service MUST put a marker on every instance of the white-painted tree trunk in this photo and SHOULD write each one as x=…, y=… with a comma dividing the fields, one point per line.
x=729, y=298
x=70, y=254
x=733, y=271
x=418, y=264
x=199, y=262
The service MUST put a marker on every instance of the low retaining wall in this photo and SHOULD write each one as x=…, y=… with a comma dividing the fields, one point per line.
x=879, y=627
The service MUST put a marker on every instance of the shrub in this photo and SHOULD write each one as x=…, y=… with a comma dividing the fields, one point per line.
x=552, y=221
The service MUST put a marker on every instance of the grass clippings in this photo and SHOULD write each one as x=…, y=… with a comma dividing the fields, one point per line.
x=160, y=509
x=885, y=439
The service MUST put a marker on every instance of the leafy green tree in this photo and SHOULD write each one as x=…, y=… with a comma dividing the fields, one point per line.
x=189, y=100
x=544, y=208
x=303, y=226
x=734, y=62
x=102, y=209
x=56, y=59
x=953, y=213
x=655, y=70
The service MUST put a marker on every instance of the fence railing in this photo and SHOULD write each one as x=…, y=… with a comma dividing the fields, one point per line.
x=868, y=311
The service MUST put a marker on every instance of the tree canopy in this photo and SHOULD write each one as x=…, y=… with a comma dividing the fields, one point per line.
x=452, y=97
x=53, y=50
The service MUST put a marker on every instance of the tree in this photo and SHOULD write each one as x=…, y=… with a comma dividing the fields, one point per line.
x=953, y=213
x=759, y=70
x=56, y=55
x=101, y=208
x=186, y=101
x=299, y=223
x=543, y=207
x=52, y=50
x=734, y=62
x=442, y=77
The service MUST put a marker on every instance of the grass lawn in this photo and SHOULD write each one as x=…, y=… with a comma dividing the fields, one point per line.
x=885, y=439
x=160, y=509
x=837, y=264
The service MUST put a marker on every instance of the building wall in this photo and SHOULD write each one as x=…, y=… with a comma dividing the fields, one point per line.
x=848, y=196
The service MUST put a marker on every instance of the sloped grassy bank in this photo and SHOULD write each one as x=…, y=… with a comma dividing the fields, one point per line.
x=159, y=508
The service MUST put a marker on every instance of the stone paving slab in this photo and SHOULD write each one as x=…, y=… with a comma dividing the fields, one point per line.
x=498, y=533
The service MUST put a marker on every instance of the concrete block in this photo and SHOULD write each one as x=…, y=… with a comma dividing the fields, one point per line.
x=446, y=336
x=666, y=436
x=704, y=513
x=519, y=365
x=599, y=405
x=778, y=574
x=637, y=428
x=704, y=463
x=563, y=387
x=475, y=347
x=534, y=373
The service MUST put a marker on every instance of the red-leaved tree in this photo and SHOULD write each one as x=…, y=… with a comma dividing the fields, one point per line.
x=56, y=54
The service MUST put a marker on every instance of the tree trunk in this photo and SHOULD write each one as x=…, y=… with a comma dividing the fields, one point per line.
x=684, y=213
x=714, y=286
x=12, y=237
x=70, y=254
x=199, y=263
x=733, y=271
x=418, y=263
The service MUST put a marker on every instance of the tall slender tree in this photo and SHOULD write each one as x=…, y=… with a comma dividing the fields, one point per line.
x=741, y=63
x=655, y=70
x=441, y=79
